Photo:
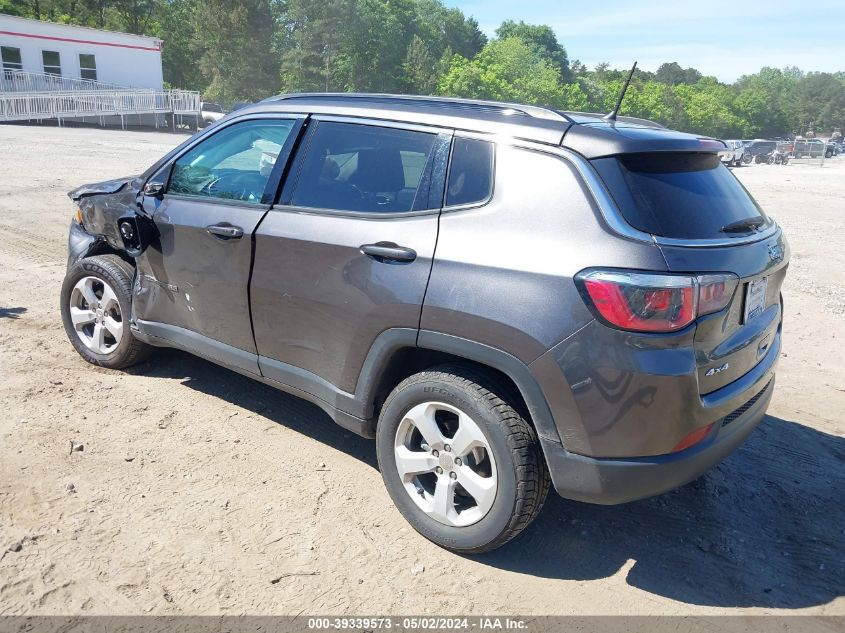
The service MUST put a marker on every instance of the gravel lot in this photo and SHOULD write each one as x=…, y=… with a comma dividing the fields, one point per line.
x=200, y=491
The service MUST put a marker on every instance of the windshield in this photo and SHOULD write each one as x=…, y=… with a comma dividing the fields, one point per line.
x=680, y=195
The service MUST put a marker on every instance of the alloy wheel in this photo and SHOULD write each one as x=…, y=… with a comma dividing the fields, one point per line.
x=446, y=464
x=96, y=316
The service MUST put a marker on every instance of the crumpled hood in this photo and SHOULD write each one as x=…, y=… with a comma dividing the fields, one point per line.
x=97, y=188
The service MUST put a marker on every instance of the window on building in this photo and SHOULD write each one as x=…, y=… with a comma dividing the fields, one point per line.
x=87, y=66
x=471, y=172
x=52, y=62
x=11, y=58
x=352, y=167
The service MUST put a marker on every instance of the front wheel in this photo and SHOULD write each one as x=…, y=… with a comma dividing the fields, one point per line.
x=96, y=305
x=463, y=467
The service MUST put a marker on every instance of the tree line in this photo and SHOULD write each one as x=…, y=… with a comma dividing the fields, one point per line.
x=244, y=50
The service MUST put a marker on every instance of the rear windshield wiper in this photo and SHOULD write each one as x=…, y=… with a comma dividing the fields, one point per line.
x=743, y=226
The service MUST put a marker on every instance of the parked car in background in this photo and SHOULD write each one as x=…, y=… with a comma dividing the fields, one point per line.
x=504, y=297
x=733, y=155
x=209, y=113
x=759, y=150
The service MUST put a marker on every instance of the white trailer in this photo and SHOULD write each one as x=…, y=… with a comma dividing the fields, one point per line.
x=76, y=52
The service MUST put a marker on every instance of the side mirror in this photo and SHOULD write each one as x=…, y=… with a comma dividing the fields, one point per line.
x=154, y=189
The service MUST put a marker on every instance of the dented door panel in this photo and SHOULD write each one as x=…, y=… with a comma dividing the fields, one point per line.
x=192, y=279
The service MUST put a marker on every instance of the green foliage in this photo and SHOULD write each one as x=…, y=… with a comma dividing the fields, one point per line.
x=510, y=69
x=181, y=49
x=235, y=37
x=708, y=106
x=672, y=74
x=544, y=41
x=243, y=50
x=818, y=102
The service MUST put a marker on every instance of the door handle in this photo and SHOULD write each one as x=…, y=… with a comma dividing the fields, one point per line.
x=387, y=252
x=225, y=231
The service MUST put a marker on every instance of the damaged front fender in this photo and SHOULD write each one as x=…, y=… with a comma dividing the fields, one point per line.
x=79, y=243
x=111, y=219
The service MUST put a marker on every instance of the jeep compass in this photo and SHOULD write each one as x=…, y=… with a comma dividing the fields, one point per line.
x=505, y=297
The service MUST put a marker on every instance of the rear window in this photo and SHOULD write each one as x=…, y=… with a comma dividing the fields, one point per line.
x=681, y=196
x=354, y=167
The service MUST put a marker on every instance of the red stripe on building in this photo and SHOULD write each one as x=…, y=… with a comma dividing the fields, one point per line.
x=69, y=39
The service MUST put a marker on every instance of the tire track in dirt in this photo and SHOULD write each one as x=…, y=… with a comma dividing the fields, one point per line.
x=30, y=246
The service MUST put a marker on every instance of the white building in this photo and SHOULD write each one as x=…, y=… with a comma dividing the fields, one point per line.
x=76, y=52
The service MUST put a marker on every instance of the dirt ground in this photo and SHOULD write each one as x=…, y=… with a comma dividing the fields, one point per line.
x=201, y=492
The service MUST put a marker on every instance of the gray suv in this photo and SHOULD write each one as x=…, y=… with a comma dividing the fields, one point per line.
x=505, y=297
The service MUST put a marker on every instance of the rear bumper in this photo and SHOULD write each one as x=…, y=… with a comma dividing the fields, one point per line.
x=614, y=481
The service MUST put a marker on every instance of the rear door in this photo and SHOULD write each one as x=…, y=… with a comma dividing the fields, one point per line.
x=706, y=222
x=194, y=277
x=346, y=254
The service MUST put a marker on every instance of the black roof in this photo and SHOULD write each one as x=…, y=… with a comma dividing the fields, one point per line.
x=586, y=133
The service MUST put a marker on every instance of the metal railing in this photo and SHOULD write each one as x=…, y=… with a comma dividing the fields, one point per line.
x=185, y=102
x=34, y=106
x=25, y=81
x=27, y=96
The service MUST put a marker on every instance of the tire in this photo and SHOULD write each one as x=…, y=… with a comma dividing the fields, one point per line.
x=95, y=335
x=505, y=468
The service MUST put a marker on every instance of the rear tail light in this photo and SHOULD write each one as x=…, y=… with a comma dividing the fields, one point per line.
x=715, y=292
x=654, y=302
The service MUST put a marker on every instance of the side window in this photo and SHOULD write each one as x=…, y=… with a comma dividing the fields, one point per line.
x=52, y=62
x=11, y=58
x=233, y=164
x=354, y=167
x=87, y=66
x=470, y=172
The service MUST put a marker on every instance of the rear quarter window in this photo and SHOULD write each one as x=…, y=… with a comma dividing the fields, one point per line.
x=677, y=195
x=470, y=172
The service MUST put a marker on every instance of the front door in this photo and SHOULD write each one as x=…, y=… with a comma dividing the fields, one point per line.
x=194, y=278
x=348, y=252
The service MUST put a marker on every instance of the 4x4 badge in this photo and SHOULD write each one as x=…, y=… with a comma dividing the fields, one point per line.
x=776, y=252
x=716, y=370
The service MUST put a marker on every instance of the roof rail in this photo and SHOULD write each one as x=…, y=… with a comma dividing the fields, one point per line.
x=621, y=119
x=536, y=112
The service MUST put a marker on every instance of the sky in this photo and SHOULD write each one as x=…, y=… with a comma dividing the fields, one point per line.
x=724, y=38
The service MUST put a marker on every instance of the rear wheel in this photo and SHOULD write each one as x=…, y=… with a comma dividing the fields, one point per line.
x=96, y=305
x=460, y=463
